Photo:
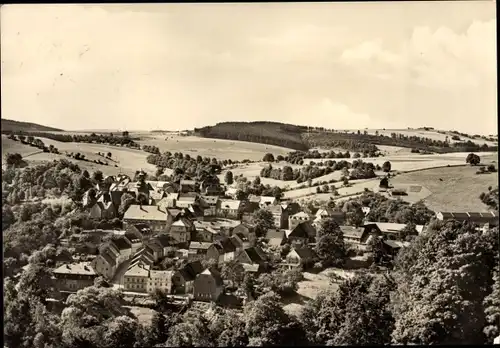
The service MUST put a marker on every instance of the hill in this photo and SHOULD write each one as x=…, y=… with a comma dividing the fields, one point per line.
x=17, y=126
x=271, y=133
x=304, y=138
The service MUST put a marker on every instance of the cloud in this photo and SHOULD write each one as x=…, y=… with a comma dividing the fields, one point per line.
x=440, y=59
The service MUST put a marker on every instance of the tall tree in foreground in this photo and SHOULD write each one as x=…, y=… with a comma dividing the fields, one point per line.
x=356, y=314
x=263, y=220
x=443, y=278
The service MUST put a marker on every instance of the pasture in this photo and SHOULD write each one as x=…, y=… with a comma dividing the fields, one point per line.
x=451, y=189
x=205, y=147
x=127, y=160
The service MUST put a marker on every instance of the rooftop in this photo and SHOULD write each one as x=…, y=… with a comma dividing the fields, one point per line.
x=80, y=268
x=138, y=270
x=230, y=204
x=145, y=212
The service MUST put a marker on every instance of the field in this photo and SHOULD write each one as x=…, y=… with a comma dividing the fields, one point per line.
x=127, y=160
x=221, y=149
x=458, y=189
x=434, y=135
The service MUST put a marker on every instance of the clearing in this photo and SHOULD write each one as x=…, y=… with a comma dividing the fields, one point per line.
x=451, y=188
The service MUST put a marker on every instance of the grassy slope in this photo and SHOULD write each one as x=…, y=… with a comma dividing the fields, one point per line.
x=11, y=125
x=458, y=191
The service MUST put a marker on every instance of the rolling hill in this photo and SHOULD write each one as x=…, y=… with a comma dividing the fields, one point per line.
x=17, y=126
x=304, y=138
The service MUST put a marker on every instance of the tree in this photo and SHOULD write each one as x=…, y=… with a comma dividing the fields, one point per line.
x=386, y=167
x=265, y=321
x=229, y=329
x=125, y=134
x=492, y=310
x=229, y=177
x=193, y=331
x=443, y=278
x=263, y=220
x=120, y=332
x=384, y=183
x=98, y=176
x=331, y=250
x=109, y=154
x=233, y=271
x=268, y=157
x=14, y=160
x=473, y=159
x=360, y=302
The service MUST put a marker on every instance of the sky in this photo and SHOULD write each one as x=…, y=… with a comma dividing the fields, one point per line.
x=180, y=66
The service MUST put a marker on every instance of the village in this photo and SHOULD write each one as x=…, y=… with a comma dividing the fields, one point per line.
x=176, y=240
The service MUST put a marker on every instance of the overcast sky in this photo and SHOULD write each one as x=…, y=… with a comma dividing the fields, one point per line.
x=179, y=66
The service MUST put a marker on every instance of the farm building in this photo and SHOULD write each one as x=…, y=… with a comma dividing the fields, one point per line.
x=490, y=218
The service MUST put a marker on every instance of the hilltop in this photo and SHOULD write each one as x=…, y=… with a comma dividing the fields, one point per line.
x=17, y=126
x=304, y=138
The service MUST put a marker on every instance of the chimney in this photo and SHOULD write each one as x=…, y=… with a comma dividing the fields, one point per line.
x=68, y=267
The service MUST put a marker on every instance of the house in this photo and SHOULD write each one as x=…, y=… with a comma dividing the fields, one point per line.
x=194, y=212
x=136, y=277
x=183, y=280
x=222, y=251
x=154, y=250
x=490, y=218
x=184, y=200
x=187, y=186
x=391, y=230
x=303, y=231
x=204, y=232
x=124, y=246
x=139, y=231
x=251, y=256
x=296, y=219
x=265, y=202
x=292, y=208
x=300, y=257
x=280, y=215
x=355, y=236
x=210, y=205
x=159, y=220
x=106, y=262
x=392, y=247
x=230, y=209
x=74, y=277
x=181, y=230
x=198, y=249
x=325, y=213
x=102, y=208
x=164, y=242
x=243, y=229
x=159, y=281
x=210, y=188
x=231, y=192
x=208, y=286
x=275, y=238
x=156, y=197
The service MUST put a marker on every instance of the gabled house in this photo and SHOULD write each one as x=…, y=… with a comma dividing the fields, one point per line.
x=74, y=277
x=251, y=256
x=221, y=251
x=183, y=280
x=266, y=202
x=300, y=257
x=391, y=231
x=210, y=188
x=355, y=236
x=105, y=264
x=275, y=238
x=279, y=214
x=157, y=219
x=187, y=186
x=325, y=213
x=208, y=286
x=198, y=250
x=296, y=219
x=181, y=230
x=136, y=277
x=163, y=241
x=210, y=205
x=159, y=280
x=230, y=209
x=292, y=208
x=204, y=232
x=303, y=231
x=184, y=200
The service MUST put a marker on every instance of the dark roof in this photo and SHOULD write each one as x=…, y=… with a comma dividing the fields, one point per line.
x=109, y=258
x=254, y=255
x=122, y=243
x=304, y=253
x=152, y=247
x=226, y=245
x=352, y=232
x=236, y=241
x=215, y=274
x=162, y=240
x=191, y=270
x=303, y=229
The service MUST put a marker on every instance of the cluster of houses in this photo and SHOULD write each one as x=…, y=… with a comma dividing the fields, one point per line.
x=198, y=229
